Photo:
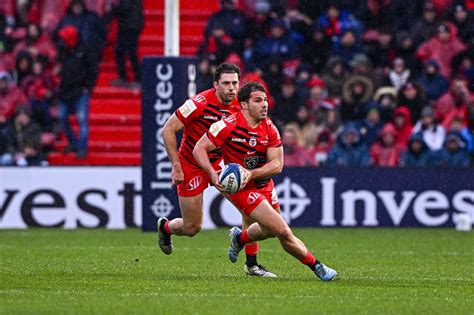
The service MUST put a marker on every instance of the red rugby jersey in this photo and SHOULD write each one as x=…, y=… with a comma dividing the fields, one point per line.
x=198, y=114
x=243, y=144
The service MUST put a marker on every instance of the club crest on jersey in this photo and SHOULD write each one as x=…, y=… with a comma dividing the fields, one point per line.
x=253, y=196
x=251, y=162
x=252, y=142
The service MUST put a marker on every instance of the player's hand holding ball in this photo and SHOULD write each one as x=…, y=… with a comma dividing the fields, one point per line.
x=233, y=178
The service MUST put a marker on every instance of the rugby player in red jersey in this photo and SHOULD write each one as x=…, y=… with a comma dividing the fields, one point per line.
x=195, y=116
x=249, y=138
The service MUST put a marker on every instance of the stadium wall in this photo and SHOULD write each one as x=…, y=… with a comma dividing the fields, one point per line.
x=111, y=197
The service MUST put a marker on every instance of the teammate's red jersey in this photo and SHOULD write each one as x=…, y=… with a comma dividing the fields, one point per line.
x=198, y=114
x=243, y=144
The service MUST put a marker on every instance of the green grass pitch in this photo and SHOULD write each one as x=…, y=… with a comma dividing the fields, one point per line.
x=383, y=271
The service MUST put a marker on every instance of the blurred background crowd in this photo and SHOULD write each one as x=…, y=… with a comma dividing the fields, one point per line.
x=351, y=83
x=356, y=83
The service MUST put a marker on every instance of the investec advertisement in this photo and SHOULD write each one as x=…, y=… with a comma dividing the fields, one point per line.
x=110, y=197
x=167, y=83
x=70, y=197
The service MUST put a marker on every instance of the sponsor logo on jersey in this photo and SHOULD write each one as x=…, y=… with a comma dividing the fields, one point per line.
x=194, y=183
x=187, y=108
x=238, y=140
x=210, y=117
x=253, y=196
x=217, y=127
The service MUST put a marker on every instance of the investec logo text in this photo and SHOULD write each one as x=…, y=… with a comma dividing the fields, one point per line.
x=163, y=110
x=430, y=207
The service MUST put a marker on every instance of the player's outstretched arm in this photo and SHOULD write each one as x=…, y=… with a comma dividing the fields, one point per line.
x=173, y=126
x=201, y=148
x=273, y=166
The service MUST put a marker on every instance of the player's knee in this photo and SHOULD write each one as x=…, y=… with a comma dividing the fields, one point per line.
x=192, y=230
x=284, y=233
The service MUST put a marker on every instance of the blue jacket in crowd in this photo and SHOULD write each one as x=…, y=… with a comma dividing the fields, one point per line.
x=413, y=159
x=346, y=154
x=459, y=157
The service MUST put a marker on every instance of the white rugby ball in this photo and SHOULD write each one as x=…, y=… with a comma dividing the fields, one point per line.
x=231, y=178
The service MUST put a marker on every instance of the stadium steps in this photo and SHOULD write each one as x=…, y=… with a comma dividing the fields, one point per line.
x=115, y=113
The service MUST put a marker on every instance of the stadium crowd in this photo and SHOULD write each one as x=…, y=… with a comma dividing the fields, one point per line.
x=50, y=52
x=351, y=83
x=356, y=83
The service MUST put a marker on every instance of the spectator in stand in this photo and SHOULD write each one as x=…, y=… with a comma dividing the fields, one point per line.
x=418, y=154
x=433, y=83
x=334, y=78
x=233, y=21
x=294, y=154
x=403, y=125
x=25, y=131
x=433, y=134
x=386, y=152
x=79, y=74
x=218, y=46
x=36, y=44
x=349, y=151
x=287, y=106
x=273, y=75
x=455, y=103
x=6, y=142
x=10, y=97
x=130, y=18
x=23, y=67
x=464, y=67
x=399, y=75
x=278, y=44
x=356, y=93
x=406, y=49
x=442, y=48
x=385, y=101
x=413, y=97
x=335, y=23
x=316, y=49
x=464, y=21
x=90, y=26
x=317, y=144
x=318, y=101
x=454, y=152
x=382, y=52
x=457, y=125
x=370, y=127
x=348, y=47
x=41, y=87
x=426, y=27
x=206, y=77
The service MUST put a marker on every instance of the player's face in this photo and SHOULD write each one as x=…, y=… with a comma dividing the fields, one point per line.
x=227, y=86
x=258, y=105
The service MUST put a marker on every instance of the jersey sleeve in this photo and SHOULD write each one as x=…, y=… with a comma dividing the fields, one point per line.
x=191, y=109
x=274, y=140
x=218, y=133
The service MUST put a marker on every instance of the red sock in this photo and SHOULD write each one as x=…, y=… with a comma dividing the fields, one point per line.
x=244, y=237
x=251, y=249
x=167, y=228
x=309, y=260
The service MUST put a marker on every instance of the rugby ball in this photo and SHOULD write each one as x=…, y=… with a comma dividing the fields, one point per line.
x=231, y=178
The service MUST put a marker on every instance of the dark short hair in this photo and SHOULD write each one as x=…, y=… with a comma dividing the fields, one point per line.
x=226, y=68
x=244, y=92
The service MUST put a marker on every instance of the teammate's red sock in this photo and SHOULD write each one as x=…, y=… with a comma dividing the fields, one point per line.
x=244, y=238
x=167, y=228
x=251, y=253
x=309, y=260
